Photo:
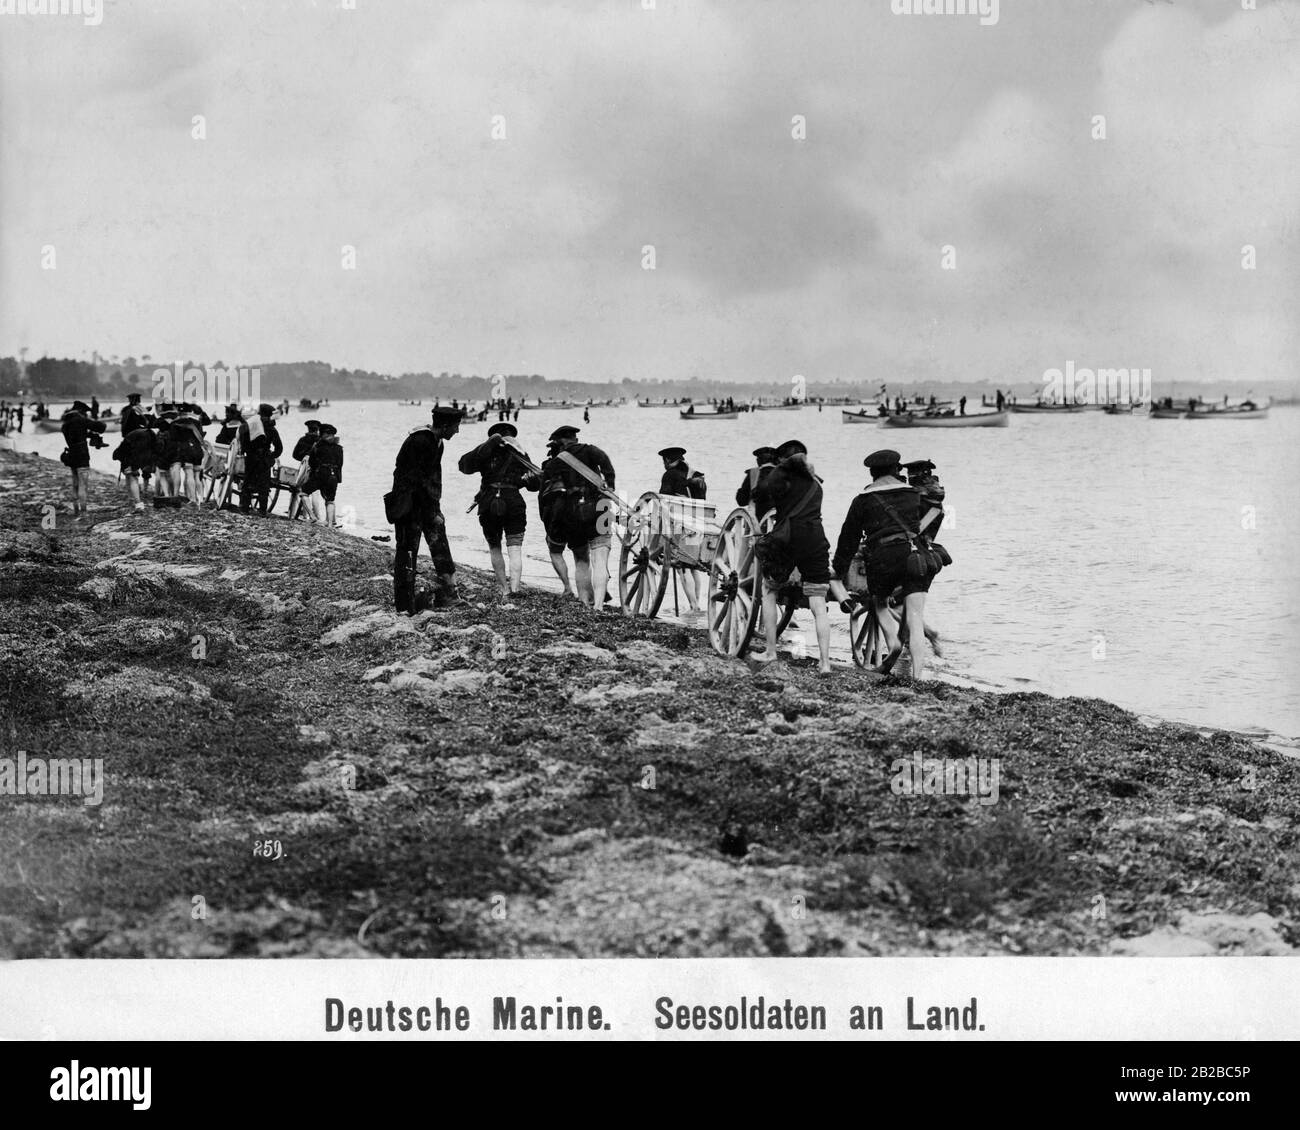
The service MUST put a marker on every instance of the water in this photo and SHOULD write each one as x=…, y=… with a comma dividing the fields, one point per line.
x=1153, y=563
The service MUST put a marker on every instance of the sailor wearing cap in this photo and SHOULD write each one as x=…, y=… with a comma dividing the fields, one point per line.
x=679, y=479
x=501, y=510
x=879, y=530
x=77, y=428
x=186, y=453
x=324, y=464
x=792, y=493
x=766, y=460
x=414, y=506
x=577, y=513
x=261, y=446
x=300, y=500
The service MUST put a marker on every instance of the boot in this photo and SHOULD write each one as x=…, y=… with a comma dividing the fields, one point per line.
x=445, y=594
x=404, y=583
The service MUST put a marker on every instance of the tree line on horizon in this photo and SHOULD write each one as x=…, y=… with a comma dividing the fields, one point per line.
x=63, y=378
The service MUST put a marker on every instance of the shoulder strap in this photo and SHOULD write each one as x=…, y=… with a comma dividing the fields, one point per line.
x=897, y=520
x=797, y=512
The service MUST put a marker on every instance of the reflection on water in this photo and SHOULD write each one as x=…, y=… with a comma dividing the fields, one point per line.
x=1154, y=563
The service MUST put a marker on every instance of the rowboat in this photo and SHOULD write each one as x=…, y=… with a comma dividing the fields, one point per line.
x=1119, y=409
x=978, y=420
x=1026, y=408
x=709, y=415
x=53, y=424
x=1165, y=413
x=863, y=417
x=775, y=407
x=1228, y=414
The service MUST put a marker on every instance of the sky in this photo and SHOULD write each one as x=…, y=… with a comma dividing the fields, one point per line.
x=500, y=169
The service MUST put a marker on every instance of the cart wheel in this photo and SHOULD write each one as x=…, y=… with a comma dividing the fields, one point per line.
x=222, y=490
x=273, y=497
x=868, y=642
x=735, y=592
x=642, y=575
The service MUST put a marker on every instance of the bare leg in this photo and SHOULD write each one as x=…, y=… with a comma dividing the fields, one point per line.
x=914, y=603
x=599, y=574
x=516, y=555
x=329, y=514
x=888, y=625
x=822, y=624
x=499, y=568
x=583, y=570
x=133, y=489
x=770, y=617
x=191, y=483
x=561, y=568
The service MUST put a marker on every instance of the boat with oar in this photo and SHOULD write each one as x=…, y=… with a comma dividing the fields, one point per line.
x=1160, y=413
x=862, y=417
x=1045, y=409
x=692, y=414
x=977, y=420
x=776, y=407
x=1119, y=409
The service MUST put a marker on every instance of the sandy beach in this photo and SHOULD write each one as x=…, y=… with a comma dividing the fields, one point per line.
x=533, y=780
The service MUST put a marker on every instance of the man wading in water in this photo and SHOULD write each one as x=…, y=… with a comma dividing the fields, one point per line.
x=414, y=506
x=500, y=504
x=794, y=492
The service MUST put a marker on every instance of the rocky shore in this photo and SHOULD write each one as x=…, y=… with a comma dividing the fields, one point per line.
x=530, y=779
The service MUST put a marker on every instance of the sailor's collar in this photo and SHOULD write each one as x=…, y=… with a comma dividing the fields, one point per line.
x=888, y=482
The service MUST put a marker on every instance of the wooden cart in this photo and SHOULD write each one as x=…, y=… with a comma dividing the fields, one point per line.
x=664, y=534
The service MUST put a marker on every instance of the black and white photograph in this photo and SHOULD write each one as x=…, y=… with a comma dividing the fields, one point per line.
x=651, y=479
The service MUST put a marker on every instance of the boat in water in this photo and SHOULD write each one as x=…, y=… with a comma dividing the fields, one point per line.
x=1045, y=408
x=915, y=420
x=862, y=417
x=1235, y=412
x=308, y=405
x=692, y=414
x=1158, y=413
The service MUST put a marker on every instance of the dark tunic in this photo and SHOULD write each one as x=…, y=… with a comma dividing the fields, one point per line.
x=76, y=428
x=303, y=447
x=678, y=481
x=325, y=463
x=793, y=492
x=884, y=543
x=753, y=477
x=501, y=508
x=569, y=503
x=417, y=486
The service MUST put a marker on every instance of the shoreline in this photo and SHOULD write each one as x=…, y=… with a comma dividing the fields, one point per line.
x=419, y=773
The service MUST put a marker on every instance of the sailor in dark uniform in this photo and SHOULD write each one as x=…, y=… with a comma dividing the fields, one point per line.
x=575, y=513
x=415, y=508
x=879, y=525
x=229, y=426
x=261, y=446
x=501, y=509
x=679, y=479
x=766, y=457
